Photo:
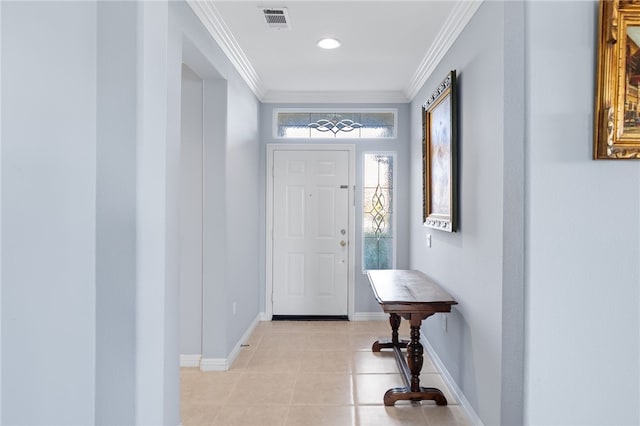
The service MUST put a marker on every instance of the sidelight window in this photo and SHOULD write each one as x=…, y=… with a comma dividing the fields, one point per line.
x=378, y=218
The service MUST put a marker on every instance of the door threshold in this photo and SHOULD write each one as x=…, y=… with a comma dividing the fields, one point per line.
x=310, y=318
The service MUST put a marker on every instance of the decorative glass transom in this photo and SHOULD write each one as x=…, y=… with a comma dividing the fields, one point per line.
x=346, y=124
x=378, y=207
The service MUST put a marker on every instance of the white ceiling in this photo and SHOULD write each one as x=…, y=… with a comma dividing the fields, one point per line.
x=389, y=48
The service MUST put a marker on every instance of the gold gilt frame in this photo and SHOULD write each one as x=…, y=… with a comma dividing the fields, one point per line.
x=617, y=124
x=439, y=157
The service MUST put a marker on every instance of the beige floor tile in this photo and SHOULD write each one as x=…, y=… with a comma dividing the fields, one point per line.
x=321, y=416
x=327, y=327
x=242, y=360
x=275, y=360
x=198, y=414
x=370, y=326
x=310, y=373
x=374, y=362
x=434, y=380
x=289, y=341
x=254, y=339
x=326, y=361
x=188, y=376
x=323, y=388
x=370, y=388
x=263, y=327
x=450, y=415
x=213, y=387
x=289, y=327
x=379, y=415
x=364, y=341
x=248, y=415
x=256, y=388
x=327, y=342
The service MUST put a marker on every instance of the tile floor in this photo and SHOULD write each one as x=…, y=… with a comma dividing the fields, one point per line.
x=295, y=373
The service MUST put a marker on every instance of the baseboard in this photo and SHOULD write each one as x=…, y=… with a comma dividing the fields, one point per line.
x=370, y=316
x=238, y=347
x=214, y=364
x=223, y=364
x=190, y=360
x=453, y=386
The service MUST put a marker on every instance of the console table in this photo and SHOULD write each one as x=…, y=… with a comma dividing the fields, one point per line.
x=413, y=296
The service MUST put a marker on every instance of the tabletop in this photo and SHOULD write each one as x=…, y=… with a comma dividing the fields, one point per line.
x=396, y=286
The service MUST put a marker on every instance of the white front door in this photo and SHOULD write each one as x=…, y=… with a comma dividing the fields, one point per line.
x=310, y=232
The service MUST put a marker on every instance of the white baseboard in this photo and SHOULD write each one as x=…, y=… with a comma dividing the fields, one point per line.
x=214, y=364
x=264, y=317
x=223, y=364
x=371, y=316
x=190, y=360
x=238, y=347
x=448, y=379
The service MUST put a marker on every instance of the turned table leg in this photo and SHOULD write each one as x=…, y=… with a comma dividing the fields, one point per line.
x=410, y=370
x=395, y=342
x=414, y=357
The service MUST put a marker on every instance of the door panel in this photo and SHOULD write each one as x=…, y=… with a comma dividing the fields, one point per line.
x=311, y=218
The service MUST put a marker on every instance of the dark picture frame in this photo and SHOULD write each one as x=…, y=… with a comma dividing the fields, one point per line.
x=440, y=157
x=617, y=111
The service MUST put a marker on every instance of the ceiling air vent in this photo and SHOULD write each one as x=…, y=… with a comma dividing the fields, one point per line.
x=276, y=17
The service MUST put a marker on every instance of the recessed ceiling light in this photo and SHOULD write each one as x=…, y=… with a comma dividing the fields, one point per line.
x=329, y=43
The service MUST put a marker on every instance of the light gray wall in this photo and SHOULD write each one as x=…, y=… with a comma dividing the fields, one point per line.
x=49, y=212
x=191, y=213
x=546, y=263
x=471, y=263
x=157, y=164
x=232, y=185
x=583, y=235
x=76, y=139
x=116, y=212
x=364, y=300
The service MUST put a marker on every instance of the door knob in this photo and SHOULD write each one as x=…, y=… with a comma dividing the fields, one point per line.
x=343, y=243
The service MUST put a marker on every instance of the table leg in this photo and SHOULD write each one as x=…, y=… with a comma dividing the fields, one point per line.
x=415, y=358
x=413, y=391
x=394, y=321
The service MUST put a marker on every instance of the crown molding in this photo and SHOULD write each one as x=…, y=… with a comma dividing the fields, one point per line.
x=335, y=97
x=215, y=25
x=453, y=26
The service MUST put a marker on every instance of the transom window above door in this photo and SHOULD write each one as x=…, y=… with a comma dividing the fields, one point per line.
x=335, y=124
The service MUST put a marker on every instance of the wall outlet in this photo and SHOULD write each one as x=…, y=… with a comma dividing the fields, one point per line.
x=234, y=307
x=428, y=240
x=443, y=322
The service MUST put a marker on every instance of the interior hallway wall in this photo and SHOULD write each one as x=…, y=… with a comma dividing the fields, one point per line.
x=59, y=164
x=471, y=263
x=116, y=212
x=191, y=222
x=581, y=245
x=583, y=235
x=231, y=188
x=49, y=212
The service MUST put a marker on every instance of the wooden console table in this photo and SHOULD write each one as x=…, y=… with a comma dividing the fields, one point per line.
x=410, y=295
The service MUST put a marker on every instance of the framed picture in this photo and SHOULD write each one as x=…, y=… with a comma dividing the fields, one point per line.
x=617, y=115
x=439, y=152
